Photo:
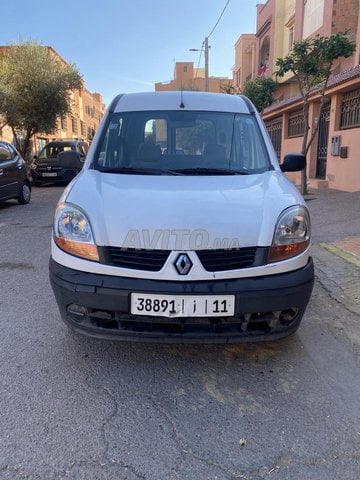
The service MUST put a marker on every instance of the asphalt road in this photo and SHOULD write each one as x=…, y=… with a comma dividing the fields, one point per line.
x=78, y=408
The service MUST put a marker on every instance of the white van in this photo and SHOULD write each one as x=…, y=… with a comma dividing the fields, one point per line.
x=182, y=227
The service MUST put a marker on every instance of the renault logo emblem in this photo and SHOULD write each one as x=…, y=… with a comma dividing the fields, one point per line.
x=183, y=264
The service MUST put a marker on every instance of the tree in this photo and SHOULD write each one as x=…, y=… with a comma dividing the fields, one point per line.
x=34, y=91
x=229, y=88
x=311, y=61
x=193, y=137
x=260, y=91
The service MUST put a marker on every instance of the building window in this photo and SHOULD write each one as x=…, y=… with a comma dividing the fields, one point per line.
x=313, y=16
x=296, y=124
x=264, y=56
x=350, y=110
x=289, y=31
x=238, y=77
x=63, y=123
x=74, y=125
x=83, y=129
x=40, y=143
x=90, y=111
x=90, y=133
x=291, y=37
x=185, y=69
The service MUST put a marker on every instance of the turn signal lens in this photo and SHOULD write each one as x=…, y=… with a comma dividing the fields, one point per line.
x=282, y=252
x=83, y=250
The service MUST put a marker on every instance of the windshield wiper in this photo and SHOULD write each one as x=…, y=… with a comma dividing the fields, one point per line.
x=139, y=171
x=212, y=171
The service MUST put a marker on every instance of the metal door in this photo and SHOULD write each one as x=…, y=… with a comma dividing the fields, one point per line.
x=323, y=140
x=274, y=128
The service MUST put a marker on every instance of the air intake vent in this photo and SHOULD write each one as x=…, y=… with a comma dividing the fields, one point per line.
x=137, y=259
x=232, y=259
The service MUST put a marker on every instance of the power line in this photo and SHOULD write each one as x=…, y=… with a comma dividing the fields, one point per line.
x=218, y=20
x=198, y=65
x=205, y=48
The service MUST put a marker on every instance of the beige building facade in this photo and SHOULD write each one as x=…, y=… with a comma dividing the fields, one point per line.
x=186, y=77
x=87, y=109
x=333, y=160
x=245, y=60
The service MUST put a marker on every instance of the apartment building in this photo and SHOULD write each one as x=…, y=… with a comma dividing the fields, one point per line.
x=87, y=109
x=333, y=160
x=186, y=77
x=245, y=60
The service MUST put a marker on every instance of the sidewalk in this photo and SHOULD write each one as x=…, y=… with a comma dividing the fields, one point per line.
x=336, y=243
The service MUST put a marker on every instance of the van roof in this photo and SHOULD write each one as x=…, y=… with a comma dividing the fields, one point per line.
x=182, y=100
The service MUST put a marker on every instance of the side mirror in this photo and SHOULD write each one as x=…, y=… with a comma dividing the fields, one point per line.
x=293, y=162
x=70, y=159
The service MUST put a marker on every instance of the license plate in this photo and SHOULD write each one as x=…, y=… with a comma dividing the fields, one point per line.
x=183, y=306
x=50, y=174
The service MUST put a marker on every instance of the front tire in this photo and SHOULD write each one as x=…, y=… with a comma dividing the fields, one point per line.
x=25, y=194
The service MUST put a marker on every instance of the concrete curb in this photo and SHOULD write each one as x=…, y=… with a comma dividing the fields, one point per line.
x=345, y=255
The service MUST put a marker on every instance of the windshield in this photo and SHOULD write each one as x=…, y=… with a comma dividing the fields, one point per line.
x=182, y=142
x=52, y=151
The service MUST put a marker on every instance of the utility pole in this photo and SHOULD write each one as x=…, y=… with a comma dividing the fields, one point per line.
x=206, y=49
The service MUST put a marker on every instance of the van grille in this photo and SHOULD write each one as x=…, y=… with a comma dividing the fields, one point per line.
x=137, y=259
x=230, y=259
x=211, y=260
x=48, y=168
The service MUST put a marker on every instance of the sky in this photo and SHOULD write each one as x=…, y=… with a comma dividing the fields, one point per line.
x=123, y=46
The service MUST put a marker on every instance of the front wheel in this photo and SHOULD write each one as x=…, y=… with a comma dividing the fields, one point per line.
x=25, y=194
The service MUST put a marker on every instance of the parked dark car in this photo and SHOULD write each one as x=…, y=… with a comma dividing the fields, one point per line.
x=47, y=166
x=14, y=178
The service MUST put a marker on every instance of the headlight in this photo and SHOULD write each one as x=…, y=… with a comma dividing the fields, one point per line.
x=72, y=233
x=292, y=234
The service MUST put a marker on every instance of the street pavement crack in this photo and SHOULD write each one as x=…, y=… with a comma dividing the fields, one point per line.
x=183, y=447
x=187, y=450
x=106, y=422
x=285, y=461
x=17, y=266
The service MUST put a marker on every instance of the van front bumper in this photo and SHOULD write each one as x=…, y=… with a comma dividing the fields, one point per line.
x=266, y=308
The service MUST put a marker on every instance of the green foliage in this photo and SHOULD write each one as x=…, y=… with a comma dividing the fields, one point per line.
x=192, y=138
x=229, y=88
x=311, y=60
x=260, y=91
x=34, y=90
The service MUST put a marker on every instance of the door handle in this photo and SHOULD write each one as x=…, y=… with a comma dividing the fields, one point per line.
x=1, y=171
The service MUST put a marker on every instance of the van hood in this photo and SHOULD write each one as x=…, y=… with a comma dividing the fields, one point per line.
x=182, y=212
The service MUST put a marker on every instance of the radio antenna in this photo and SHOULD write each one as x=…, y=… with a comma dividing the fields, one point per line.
x=182, y=100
